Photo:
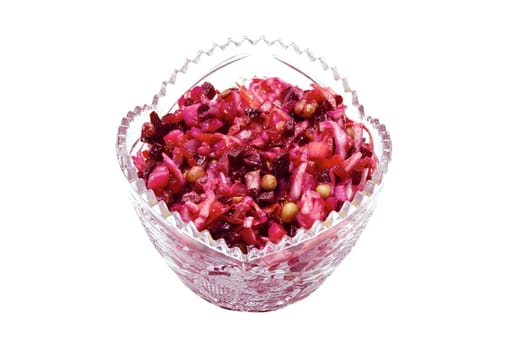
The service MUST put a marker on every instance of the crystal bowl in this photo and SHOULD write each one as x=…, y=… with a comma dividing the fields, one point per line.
x=279, y=274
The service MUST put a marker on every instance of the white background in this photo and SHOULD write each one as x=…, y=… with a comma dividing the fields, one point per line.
x=439, y=265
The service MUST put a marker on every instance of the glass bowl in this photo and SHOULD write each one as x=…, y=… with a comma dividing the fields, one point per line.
x=279, y=274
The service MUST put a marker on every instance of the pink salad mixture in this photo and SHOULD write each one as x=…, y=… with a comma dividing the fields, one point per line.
x=254, y=163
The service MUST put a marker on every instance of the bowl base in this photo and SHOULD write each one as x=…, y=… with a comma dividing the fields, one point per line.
x=260, y=300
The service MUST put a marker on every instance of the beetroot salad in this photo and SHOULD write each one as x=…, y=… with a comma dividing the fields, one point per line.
x=255, y=162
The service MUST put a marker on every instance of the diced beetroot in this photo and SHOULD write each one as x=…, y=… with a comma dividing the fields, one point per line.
x=211, y=125
x=173, y=137
x=281, y=165
x=192, y=146
x=248, y=236
x=261, y=140
x=190, y=115
x=330, y=204
x=196, y=94
x=204, y=149
x=276, y=232
x=158, y=178
x=317, y=150
x=208, y=90
x=181, y=101
x=252, y=160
